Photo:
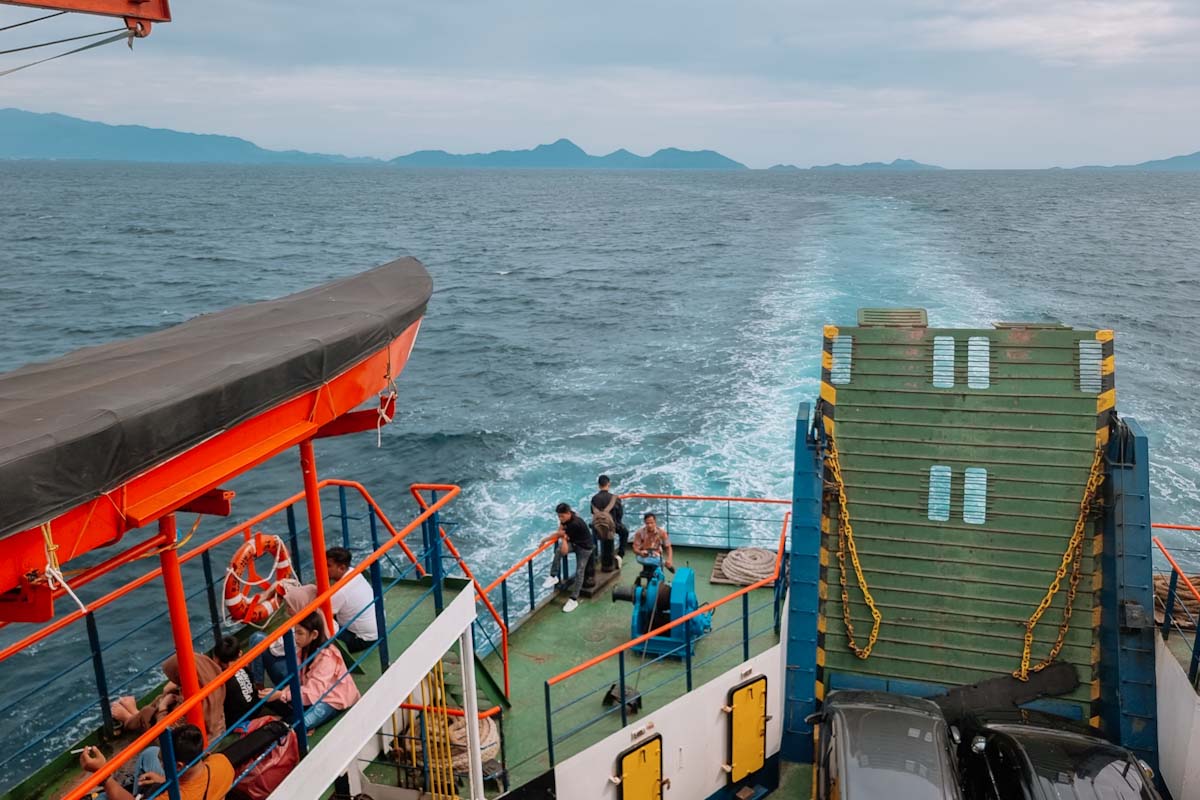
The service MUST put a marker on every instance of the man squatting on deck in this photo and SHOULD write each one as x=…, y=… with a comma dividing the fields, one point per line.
x=578, y=539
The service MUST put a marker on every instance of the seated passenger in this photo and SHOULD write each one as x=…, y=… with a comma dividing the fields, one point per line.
x=295, y=598
x=240, y=694
x=326, y=687
x=209, y=779
x=649, y=541
x=126, y=712
x=357, y=632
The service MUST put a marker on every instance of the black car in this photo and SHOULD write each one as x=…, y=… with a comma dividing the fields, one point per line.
x=1027, y=755
x=876, y=745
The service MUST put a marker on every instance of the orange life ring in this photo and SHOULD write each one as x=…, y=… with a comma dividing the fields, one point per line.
x=248, y=596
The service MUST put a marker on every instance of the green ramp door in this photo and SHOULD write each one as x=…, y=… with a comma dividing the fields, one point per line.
x=964, y=456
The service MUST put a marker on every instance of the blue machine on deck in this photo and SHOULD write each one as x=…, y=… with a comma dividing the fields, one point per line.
x=656, y=602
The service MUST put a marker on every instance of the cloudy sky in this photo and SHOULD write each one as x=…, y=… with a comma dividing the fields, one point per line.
x=963, y=83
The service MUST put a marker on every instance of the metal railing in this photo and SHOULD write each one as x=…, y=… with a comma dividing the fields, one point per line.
x=617, y=657
x=1178, y=582
x=157, y=731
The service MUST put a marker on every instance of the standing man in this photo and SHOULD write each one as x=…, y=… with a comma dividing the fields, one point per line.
x=607, y=512
x=356, y=632
x=578, y=539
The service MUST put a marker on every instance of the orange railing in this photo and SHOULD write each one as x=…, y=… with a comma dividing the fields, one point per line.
x=1183, y=578
x=195, y=552
x=480, y=592
x=632, y=643
x=147, y=738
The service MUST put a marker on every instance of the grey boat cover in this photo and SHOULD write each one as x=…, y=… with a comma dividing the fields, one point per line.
x=81, y=425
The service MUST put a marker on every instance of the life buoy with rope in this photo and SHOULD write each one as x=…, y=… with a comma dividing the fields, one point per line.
x=250, y=597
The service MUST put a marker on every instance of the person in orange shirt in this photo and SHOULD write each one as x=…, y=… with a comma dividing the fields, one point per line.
x=209, y=778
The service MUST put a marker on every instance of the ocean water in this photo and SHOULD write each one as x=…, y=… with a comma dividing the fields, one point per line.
x=658, y=326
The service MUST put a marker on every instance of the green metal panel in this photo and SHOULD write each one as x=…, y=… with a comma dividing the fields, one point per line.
x=955, y=595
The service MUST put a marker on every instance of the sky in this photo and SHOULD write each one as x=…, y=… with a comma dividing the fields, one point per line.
x=960, y=83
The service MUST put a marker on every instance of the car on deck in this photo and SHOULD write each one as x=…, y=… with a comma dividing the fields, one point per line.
x=878, y=745
x=1020, y=754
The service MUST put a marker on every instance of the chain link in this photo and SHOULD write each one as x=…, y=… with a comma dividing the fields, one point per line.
x=846, y=542
x=1072, y=559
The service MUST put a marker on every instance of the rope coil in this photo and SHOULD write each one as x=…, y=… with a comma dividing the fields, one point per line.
x=748, y=565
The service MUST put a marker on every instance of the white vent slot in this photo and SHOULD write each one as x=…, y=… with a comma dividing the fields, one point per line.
x=975, y=495
x=843, y=346
x=1091, y=354
x=939, y=494
x=979, y=358
x=943, y=362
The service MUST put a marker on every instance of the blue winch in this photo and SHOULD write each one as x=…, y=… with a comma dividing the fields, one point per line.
x=656, y=602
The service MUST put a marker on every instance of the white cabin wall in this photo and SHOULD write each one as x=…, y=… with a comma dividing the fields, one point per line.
x=694, y=733
x=1178, y=726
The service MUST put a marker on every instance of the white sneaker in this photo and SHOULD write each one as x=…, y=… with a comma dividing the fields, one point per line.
x=570, y=606
x=550, y=582
x=618, y=558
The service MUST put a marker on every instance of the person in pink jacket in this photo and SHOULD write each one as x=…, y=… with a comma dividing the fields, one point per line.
x=326, y=687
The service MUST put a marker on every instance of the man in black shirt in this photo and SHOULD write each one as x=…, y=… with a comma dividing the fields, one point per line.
x=578, y=540
x=607, y=512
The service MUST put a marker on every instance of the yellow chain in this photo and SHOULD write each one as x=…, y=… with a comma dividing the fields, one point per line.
x=1072, y=559
x=846, y=542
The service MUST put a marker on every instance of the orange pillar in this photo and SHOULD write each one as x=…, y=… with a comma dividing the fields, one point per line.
x=316, y=523
x=181, y=628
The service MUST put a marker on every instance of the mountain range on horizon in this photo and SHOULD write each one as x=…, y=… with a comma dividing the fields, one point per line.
x=898, y=165
x=27, y=135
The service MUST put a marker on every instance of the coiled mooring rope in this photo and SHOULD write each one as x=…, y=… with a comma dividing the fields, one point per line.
x=747, y=565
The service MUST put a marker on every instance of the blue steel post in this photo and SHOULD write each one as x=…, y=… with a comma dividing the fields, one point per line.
x=1194, y=667
x=687, y=652
x=377, y=588
x=728, y=524
x=345, y=517
x=289, y=652
x=1128, y=704
x=435, y=541
x=803, y=577
x=549, y=728
x=101, y=676
x=529, y=570
x=424, y=750
x=621, y=680
x=746, y=627
x=213, y=610
x=504, y=601
x=1169, y=611
x=294, y=539
x=166, y=752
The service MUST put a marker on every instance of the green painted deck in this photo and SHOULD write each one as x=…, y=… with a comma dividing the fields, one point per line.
x=552, y=642
x=955, y=593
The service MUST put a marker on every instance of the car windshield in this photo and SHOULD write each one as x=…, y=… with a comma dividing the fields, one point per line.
x=1071, y=767
x=896, y=754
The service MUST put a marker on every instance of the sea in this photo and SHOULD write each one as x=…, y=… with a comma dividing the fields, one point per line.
x=658, y=326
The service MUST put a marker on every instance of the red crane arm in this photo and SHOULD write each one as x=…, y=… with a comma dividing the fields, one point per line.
x=138, y=14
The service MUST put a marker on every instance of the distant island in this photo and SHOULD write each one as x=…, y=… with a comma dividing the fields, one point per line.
x=565, y=154
x=1188, y=163
x=29, y=135
x=26, y=135
x=899, y=165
